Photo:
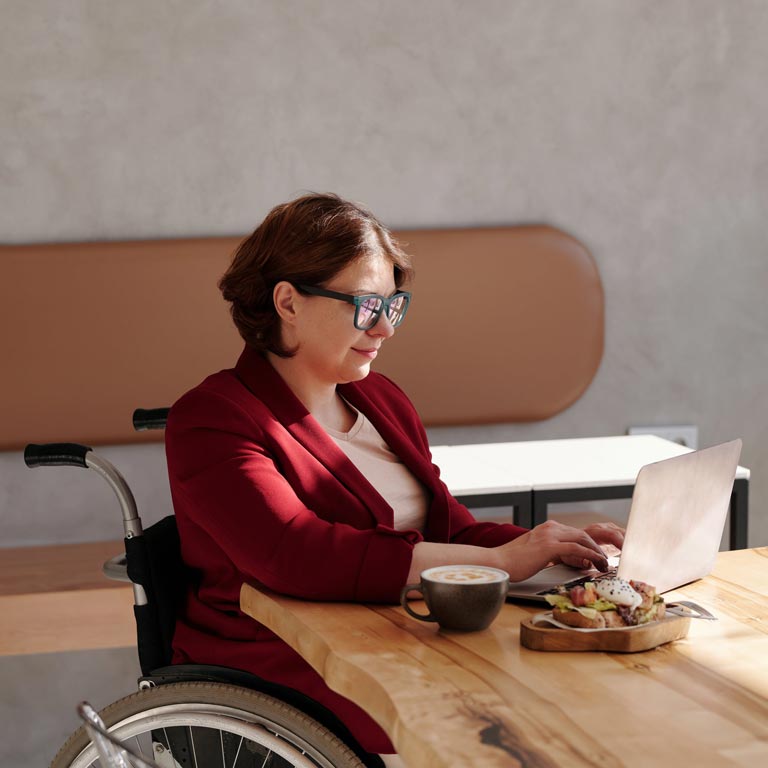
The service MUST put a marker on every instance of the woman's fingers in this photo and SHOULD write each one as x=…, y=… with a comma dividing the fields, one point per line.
x=577, y=556
x=584, y=563
x=581, y=537
x=606, y=533
x=575, y=544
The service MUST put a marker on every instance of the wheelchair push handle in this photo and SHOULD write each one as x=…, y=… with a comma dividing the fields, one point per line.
x=56, y=455
x=150, y=418
x=75, y=455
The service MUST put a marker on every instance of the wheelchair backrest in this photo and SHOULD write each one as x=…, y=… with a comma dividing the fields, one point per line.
x=154, y=561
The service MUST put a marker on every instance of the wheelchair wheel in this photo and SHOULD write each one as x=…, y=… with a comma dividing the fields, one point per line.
x=211, y=725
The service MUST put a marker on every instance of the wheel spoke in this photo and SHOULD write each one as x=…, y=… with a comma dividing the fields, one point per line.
x=168, y=744
x=192, y=744
x=237, y=754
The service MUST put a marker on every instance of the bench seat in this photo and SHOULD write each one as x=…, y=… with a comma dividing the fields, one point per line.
x=55, y=598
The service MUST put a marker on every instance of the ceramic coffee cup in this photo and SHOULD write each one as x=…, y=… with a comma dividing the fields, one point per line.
x=464, y=597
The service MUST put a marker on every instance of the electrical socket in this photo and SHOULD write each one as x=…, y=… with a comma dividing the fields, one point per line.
x=685, y=434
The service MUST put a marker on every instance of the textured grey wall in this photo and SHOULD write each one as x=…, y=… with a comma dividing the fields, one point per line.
x=639, y=127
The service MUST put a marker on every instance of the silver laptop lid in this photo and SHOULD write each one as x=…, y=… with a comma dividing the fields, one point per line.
x=678, y=513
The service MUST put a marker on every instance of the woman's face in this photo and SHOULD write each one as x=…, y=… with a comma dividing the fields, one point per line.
x=330, y=349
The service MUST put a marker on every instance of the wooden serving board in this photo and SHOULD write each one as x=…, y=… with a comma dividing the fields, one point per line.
x=544, y=637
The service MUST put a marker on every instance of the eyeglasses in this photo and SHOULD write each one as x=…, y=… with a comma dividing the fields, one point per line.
x=369, y=307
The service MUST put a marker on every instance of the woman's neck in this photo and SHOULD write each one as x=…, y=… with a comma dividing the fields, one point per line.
x=319, y=398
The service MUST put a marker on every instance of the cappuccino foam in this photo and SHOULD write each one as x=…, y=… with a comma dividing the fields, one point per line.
x=464, y=574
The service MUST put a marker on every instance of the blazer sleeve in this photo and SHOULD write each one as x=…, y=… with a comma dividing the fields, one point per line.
x=226, y=482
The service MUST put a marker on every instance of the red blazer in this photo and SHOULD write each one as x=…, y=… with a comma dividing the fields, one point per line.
x=262, y=494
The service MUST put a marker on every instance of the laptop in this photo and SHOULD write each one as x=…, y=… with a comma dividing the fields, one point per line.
x=676, y=522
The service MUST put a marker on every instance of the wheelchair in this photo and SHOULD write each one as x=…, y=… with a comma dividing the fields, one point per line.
x=192, y=715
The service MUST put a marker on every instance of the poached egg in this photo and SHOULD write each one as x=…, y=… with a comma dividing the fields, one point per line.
x=619, y=592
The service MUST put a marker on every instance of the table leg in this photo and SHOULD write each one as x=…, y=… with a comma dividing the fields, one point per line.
x=520, y=501
x=524, y=510
x=739, y=514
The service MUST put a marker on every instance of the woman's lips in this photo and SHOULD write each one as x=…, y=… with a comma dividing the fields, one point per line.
x=369, y=353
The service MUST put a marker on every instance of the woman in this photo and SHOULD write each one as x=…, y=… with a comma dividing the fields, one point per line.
x=303, y=471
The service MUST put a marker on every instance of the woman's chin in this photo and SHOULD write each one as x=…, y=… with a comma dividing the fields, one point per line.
x=358, y=373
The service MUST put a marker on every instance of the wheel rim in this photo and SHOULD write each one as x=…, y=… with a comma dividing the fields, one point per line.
x=258, y=741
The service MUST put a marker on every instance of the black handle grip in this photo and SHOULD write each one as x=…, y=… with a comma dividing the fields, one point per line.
x=56, y=455
x=150, y=418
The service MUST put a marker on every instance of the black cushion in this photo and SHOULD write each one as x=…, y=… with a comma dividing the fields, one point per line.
x=154, y=561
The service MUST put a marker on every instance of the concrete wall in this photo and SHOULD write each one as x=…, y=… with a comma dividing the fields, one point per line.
x=640, y=127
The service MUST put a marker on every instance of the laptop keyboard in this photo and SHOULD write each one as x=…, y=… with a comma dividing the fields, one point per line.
x=610, y=573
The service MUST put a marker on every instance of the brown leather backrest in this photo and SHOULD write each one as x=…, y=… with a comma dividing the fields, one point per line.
x=506, y=325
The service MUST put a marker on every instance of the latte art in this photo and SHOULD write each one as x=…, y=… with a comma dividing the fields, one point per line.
x=464, y=574
x=466, y=598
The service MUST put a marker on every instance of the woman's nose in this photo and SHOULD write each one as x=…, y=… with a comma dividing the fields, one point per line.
x=383, y=327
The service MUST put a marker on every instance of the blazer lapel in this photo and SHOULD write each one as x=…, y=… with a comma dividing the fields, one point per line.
x=263, y=381
x=437, y=526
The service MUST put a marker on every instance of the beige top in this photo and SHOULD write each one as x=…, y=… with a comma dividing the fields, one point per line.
x=366, y=449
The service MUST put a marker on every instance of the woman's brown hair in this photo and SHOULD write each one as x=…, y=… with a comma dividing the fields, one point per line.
x=308, y=240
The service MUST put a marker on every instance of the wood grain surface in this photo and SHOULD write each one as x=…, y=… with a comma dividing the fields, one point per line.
x=481, y=699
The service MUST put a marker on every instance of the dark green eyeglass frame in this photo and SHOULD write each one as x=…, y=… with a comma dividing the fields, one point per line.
x=359, y=301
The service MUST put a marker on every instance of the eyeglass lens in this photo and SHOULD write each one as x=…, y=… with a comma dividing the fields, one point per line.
x=369, y=310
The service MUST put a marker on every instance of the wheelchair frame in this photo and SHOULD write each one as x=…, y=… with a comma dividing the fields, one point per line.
x=192, y=714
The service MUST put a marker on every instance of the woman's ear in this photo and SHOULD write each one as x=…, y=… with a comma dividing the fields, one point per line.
x=286, y=299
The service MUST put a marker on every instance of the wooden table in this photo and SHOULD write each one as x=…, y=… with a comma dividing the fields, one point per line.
x=480, y=699
x=558, y=471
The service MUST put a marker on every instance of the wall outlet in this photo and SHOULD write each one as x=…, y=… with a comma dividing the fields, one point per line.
x=685, y=434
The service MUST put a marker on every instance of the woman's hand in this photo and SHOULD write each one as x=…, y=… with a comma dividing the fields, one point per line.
x=554, y=542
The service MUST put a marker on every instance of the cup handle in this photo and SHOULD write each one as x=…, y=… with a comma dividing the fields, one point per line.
x=404, y=602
